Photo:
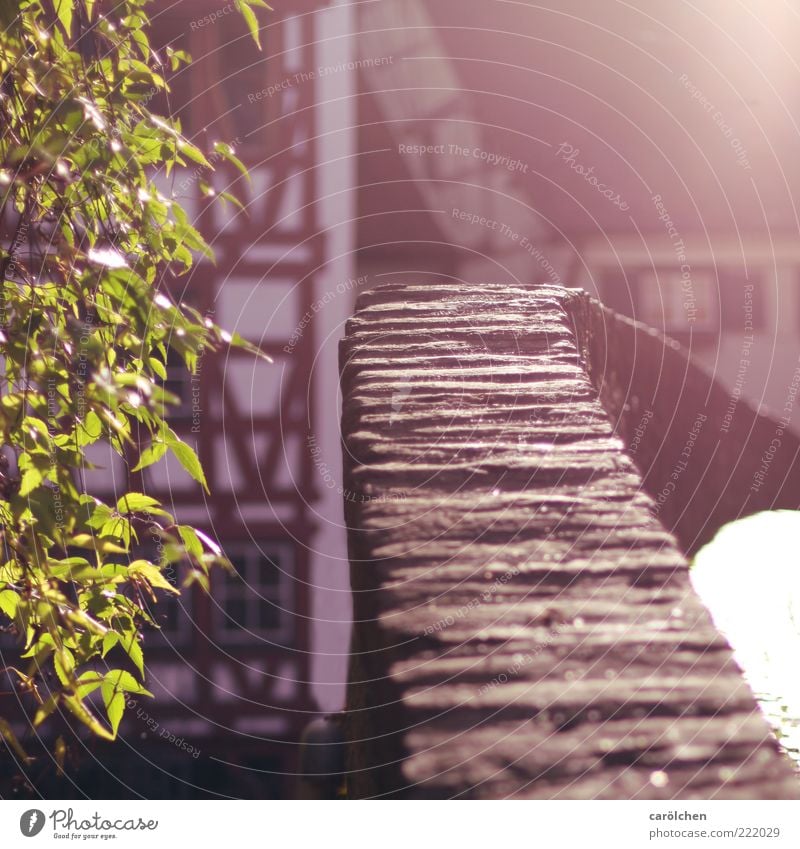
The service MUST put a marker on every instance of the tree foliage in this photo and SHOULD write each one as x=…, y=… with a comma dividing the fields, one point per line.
x=88, y=246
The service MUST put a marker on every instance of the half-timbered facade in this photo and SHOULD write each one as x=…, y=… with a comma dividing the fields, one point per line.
x=573, y=142
x=233, y=670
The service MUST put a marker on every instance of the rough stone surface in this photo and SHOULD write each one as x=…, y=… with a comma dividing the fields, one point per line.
x=524, y=624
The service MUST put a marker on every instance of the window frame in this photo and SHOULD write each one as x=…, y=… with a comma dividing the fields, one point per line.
x=281, y=594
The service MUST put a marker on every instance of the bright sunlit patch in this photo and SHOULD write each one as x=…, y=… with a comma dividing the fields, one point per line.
x=749, y=578
x=107, y=257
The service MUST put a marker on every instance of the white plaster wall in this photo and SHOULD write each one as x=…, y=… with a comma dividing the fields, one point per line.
x=337, y=146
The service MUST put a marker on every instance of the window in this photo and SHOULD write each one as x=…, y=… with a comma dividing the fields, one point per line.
x=231, y=81
x=741, y=301
x=255, y=600
x=674, y=300
x=172, y=613
x=615, y=290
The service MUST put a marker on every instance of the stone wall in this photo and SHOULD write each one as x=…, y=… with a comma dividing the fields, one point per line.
x=524, y=625
x=706, y=456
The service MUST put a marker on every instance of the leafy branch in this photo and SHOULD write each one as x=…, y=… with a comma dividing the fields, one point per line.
x=88, y=243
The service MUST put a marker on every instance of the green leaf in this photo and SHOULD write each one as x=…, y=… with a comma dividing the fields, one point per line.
x=31, y=479
x=238, y=341
x=115, y=684
x=100, y=515
x=82, y=619
x=90, y=430
x=136, y=502
x=77, y=707
x=64, y=663
x=119, y=529
x=41, y=649
x=98, y=545
x=195, y=576
x=122, y=680
x=74, y=569
x=110, y=640
x=152, y=574
x=64, y=12
x=134, y=650
x=46, y=709
x=88, y=683
x=158, y=367
x=187, y=458
x=8, y=735
x=251, y=20
x=226, y=152
x=152, y=454
x=9, y=600
x=227, y=197
x=193, y=152
x=191, y=540
x=114, y=701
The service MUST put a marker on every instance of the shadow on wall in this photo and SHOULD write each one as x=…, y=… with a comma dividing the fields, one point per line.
x=706, y=456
